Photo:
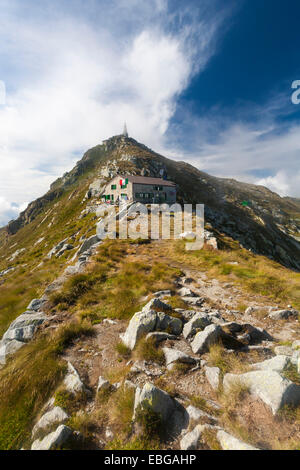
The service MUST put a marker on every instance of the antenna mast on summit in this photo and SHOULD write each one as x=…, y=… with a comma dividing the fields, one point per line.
x=125, y=133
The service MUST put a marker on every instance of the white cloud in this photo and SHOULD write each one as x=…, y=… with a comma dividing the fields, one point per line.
x=77, y=80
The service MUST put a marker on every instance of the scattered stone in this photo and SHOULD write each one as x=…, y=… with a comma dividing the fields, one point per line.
x=16, y=254
x=72, y=381
x=36, y=305
x=57, y=248
x=229, y=442
x=191, y=440
x=130, y=384
x=64, y=248
x=6, y=271
x=167, y=323
x=256, y=334
x=157, y=305
x=284, y=314
x=163, y=293
x=173, y=355
x=268, y=385
x=195, y=301
x=195, y=414
x=24, y=326
x=199, y=321
x=277, y=363
x=151, y=397
x=159, y=336
x=210, y=335
x=103, y=384
x=296, y=344
x=8, y=348
x=187, y=315
x=213, y=375
x=56, y=416
x=186, y=292
x=88, y=243
x=54, y=439
x=283, y=350
x=141, y=323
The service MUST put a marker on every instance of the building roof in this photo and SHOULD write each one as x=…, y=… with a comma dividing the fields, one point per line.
x=147, y=180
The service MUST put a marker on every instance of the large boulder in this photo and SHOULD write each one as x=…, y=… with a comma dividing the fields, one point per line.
x=277, y=363
x=56, y=416
x=204, y=339
x=152, y=398
x=53, y=440
x=269, y=386
x=168, y=323
x=172, y=356
x=229, y=442
x=140, y=324
x=199, y=321
x=157, y=305
x=8, y=348
x=283, y=314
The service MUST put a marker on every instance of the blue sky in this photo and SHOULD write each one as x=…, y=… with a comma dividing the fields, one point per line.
x=205, y=81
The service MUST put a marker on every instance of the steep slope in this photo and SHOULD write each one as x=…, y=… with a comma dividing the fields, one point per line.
x=85, y=310
x=258, y=218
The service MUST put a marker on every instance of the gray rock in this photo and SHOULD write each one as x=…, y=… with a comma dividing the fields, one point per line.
x=159, y=336
x=257, y=334
x=199, y=321
x=195, y=301
x=283, y=351
x=157, y=305
x=36, y=305
x=103, y=384
x=283, y=314
x=296, y=344
x=56, y=248
x=88, y=243
x=64, y=248
x=187, y=315
x=213, y=375
x=151, y=397
x=210, y=335
x=229, y=442
x=268, y=385
x=172, y=355
x=8, y=348
x=191, y=440
x=186, y=292
x=163, y=293
x=23, y=327
x=54, y=439
x=72, y=381
x=277, y=363
x=195, y=414
x=140, y=324
x=56, y=416
x=233, y=327
x=167, y=323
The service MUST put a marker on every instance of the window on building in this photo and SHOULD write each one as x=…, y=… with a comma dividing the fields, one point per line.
x=113, y=186
x=112, y=197
x=158, y=188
